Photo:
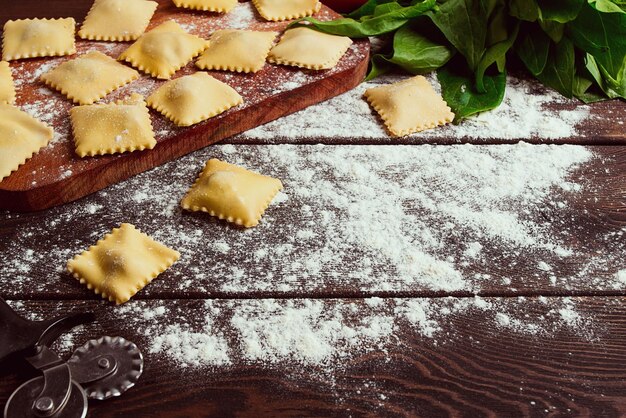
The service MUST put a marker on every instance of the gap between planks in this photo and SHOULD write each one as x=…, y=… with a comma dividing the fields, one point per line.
x=340, y=296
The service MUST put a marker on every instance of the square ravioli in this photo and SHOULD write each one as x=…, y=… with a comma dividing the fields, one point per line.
x=243, y=51
x=409, y=106
x=163, y=50
x=7, y=89
x=122, y=263
x=276, y=10
x=308, y=48
x=89, y=78
x=101, y=129
x=117, y=20
x=220, y=6
x=21, y=136
x=193, y=98
x=29, y=38
x=232, y=193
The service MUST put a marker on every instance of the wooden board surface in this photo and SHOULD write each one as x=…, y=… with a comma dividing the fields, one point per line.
x=551, y=239
x=471, y=366
x=57, y=175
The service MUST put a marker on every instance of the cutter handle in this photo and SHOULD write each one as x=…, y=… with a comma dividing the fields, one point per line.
x=21, y=335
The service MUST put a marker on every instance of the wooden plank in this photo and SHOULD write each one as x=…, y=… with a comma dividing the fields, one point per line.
x=557, y=357
x=56, y=175
x=530, y=112
x=355, y=221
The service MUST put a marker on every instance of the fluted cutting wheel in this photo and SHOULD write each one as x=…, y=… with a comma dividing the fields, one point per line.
x=20, y=404
x=129, y=366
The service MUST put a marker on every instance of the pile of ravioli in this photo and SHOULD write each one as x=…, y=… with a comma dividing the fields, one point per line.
x=126, y=260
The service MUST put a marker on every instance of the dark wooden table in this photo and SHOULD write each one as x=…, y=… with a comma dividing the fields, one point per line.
x=546, y=335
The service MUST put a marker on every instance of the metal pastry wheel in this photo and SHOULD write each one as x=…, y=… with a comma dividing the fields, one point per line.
x=100, y=369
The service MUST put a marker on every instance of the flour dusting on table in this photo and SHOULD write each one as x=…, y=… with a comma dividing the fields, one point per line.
x=326, y=334
x=350, y=219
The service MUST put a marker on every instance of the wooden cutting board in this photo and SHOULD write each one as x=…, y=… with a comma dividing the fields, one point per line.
x=56, y=175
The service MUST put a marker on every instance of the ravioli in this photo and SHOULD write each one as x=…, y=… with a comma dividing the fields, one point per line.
x=276, y=10
x=21, y=136
x=242, y=51
x=89, y=78
x=7, y=89
x=29, y=38
x=232, y=193
x=220, y=6
x=163, y=50
x=193, y=98
x=124, y=126
x=117, y=20
x=122, y=263
x=409, y=106
x=308, y=48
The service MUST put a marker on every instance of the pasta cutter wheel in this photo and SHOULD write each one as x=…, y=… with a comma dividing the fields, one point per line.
x=120, y=356
x=100, y=369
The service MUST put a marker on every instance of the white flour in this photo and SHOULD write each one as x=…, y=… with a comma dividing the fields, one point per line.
x=327, y=333
x=354, y=218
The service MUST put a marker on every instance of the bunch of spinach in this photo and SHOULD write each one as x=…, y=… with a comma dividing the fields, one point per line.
x=577, y=47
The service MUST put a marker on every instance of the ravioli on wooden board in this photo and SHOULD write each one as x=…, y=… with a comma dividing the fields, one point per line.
x=89, y=78
x=220, y=6
x=124, y=126
x=29, y=38
x=308, y=48
x=242, y=51
x=117, y=20
x=21, y=136
x=7, y=88
x=193, y=98
x=163, y=50
x=276, y=10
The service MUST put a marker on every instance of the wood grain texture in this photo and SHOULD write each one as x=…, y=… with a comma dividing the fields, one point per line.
x=472, y=368
x=56, y=175
x=271, y=259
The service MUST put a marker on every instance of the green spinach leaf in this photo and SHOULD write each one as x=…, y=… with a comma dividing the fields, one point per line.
x=464, y=23
x=561, y=11
x=533, y=49
x=602, y=35
x=416, y=53
x=554, y=30
x=524, y=9
x=560, y=68
x=386, y=19
x=494, y=53
x=457, y=89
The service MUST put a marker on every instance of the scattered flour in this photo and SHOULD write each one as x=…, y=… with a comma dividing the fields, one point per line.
x=352, y=218
x=241, y=16
x=326, y=333
x=621, y=279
